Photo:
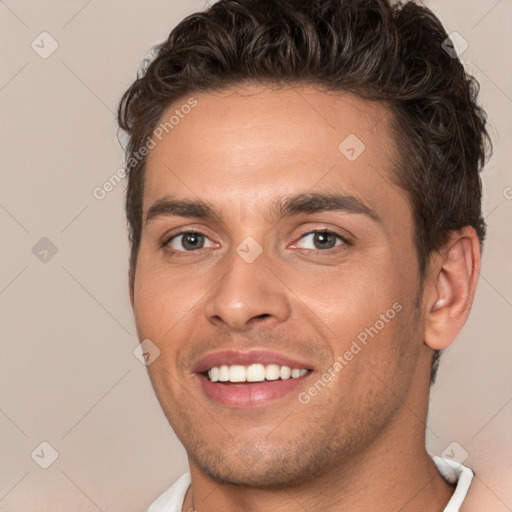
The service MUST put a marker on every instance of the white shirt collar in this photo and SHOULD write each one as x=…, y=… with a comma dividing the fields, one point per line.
x=453, y=472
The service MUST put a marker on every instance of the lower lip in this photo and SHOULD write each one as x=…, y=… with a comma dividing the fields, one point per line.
x=245, y=395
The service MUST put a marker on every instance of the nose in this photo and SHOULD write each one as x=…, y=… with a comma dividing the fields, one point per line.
x=247, y=294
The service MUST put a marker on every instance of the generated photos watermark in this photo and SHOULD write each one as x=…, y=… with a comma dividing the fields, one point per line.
x=100, y=192
x=357, y=345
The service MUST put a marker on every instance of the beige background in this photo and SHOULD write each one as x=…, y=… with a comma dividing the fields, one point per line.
x=68, y=373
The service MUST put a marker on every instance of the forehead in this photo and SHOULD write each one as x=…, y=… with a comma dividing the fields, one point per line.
x=247, y=146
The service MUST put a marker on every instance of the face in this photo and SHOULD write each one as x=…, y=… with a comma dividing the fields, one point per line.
x=277, y=276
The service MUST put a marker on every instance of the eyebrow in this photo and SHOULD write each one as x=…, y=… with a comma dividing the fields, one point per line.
x=287, y=206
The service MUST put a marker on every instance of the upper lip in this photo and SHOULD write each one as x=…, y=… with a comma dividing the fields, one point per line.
x=246, y=358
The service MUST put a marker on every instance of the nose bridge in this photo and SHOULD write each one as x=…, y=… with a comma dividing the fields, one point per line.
x=247, y=289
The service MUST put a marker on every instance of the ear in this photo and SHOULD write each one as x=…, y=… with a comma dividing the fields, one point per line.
x=454, y=273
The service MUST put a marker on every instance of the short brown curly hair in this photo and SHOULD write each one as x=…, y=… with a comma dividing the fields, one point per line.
x=378, y=49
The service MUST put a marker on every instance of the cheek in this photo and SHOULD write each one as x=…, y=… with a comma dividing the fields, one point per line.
x=161, y=299
x=347, y=298
x=365, y=313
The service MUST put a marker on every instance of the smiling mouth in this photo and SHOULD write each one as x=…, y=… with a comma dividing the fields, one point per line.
x=240, y=379
x=254, y=373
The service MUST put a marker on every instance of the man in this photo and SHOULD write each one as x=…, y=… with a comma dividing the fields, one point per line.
x=306, y=228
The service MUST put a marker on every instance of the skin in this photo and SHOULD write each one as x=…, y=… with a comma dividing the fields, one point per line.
x=360, y=440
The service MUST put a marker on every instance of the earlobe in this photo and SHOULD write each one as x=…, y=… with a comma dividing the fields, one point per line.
x=455, y=272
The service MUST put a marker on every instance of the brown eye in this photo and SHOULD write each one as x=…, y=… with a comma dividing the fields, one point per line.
x=188, y=241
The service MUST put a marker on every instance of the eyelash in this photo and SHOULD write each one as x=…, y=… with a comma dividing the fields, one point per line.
x=344, y=240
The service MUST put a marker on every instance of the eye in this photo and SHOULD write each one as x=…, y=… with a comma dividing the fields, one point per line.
x=188, y=241
x=323, y=240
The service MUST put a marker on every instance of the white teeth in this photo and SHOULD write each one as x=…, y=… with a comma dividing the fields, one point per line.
x=214, y=374
x=272, y=372
x=253, y=373
x=237, y=373
x=285, y=372
x=223, y=373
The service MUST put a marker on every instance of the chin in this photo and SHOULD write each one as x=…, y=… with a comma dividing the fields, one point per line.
x=250, y=467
